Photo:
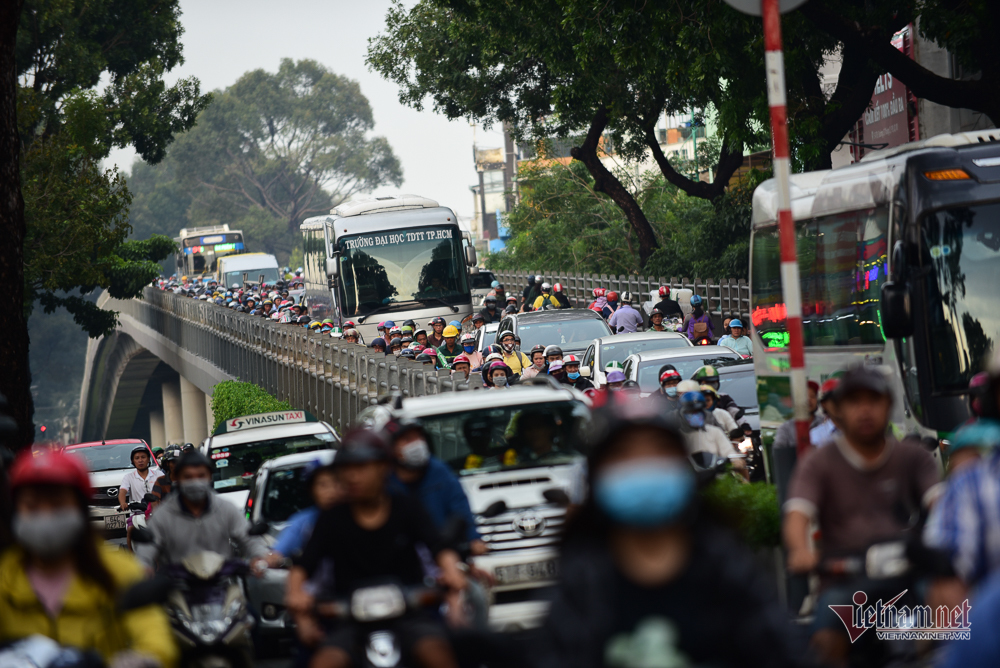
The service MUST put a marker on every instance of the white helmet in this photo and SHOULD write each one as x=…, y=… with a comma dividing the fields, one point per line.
x=538, y=279
x=546, y=287
x=626, y=298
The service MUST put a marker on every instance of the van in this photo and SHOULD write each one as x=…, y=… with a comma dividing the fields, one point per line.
x=254, y=265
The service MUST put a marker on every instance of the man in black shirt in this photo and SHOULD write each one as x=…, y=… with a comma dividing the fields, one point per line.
x=372, y=537
x=667, y=306
x=491, y=313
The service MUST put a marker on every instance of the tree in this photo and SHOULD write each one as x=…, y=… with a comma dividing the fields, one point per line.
x=606, y=70
x=292, y=144
x=53, y=54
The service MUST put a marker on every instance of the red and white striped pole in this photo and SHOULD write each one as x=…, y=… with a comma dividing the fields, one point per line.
x=775, y=64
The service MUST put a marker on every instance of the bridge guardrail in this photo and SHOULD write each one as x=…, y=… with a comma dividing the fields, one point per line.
x=727, y=297
x=330, y=378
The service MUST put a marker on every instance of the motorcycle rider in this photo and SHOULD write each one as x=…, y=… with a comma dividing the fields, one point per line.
x=436, y=338
x=474, y=357
x=498, y=375
x=553, y=353
x=612, y=305
x=136, y=484
x=164, y=484
x=527, y=291
x=861, y=490
x=559, y=294
x=626, y=319
x=395, y=346
x=545, y=300
x=600, y=300
x=709, y=375
x=373, y=534
x=325, y=492
x=572, y=365
x=699, y=325
x=721, y=415
x=702, y=436
x=478, y=321
x=515, y=360
x=827, y=430
x=616, y=380
x=195, y=519
x=737, y=341
x=656, y=321
x=461, y=367
x=670, y=378
x=450, y=350
x=667, y=306
x=785, y=436
x=638, y=560
x=537, y=357
x=378, y=344
x=534, y=292
x=59, y=580
x=490, y=312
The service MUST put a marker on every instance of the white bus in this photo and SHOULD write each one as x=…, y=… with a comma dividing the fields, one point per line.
x=387, y=258
x=252, y=265
x=899, y=257
x=199, y=249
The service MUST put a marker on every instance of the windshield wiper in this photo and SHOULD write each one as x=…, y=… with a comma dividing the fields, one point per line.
x=377, y=309
x=454, y=309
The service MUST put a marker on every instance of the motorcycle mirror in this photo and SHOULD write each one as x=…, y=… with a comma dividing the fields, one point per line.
x=150, y=498
x=143, y=593
x=495, y=508
x=556, y=495
x=259, y=529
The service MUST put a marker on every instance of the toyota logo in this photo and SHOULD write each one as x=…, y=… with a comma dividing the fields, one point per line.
x=529, y=524
x=112, y=491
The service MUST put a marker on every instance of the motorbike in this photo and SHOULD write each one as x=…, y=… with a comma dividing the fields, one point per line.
x=204, y=597
x=373, y=610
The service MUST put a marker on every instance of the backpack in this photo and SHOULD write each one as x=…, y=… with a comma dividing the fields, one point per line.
x=700, y=331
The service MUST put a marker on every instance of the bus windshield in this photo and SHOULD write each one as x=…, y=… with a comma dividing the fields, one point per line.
x=962, y=247
x=236, y=464
x=842, y=264
x=417, y=264
x=199, y=254
x=253, y=275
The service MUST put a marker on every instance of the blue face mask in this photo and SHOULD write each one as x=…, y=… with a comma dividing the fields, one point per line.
x=670, y=391
x=574, y=375
x=695, y=420
x=645, y=493
x=468, y=349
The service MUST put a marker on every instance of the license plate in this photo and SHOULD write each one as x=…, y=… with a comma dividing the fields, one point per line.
x=533, y=572
x=114, y=522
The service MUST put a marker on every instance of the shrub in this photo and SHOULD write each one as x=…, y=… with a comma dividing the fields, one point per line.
x=233, y=399
x=749, y=510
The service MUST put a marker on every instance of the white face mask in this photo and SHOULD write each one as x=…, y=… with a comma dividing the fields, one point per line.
x=415, y=455
x=48, y=535
x=500, y=381
x=509, y=347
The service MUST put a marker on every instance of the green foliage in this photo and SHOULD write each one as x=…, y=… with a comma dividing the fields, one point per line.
x=270, y=151
x=751, y=510
x=233, y=399
x=563, y=224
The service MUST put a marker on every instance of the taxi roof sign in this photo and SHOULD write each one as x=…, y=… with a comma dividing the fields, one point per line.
x=263, y=420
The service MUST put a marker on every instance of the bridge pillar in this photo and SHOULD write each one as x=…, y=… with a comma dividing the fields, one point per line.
x=193, y=409
x=173, y=417
x=157, y=434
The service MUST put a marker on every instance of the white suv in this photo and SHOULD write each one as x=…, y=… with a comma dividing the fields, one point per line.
x=517, y=454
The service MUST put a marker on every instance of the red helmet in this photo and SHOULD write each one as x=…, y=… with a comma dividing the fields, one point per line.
x=50, y=467
x=612, y=296
x=664, y=291
x=461, y=359
x=827, y=389
x=670, y=374
x=557, y=287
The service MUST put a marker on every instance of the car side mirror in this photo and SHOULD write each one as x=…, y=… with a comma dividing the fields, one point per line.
x=585, y=371
x=332, y=268
x=259, y=529
x=470, y=256
x=494, y=509
x=897, y=320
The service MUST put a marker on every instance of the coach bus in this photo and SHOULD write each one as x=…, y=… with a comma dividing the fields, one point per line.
x=387, y=258
x=899, y=261
x=199, y=249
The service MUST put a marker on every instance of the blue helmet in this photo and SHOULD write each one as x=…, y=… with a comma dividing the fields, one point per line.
x=979, y=434
x=494, y=284
x=695, y=300
x=389, y=324
x=692, y=402
x=736, y=322
x=456, y=324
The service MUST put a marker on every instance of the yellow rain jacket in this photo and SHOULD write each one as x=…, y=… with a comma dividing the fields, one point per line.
x=88, y=619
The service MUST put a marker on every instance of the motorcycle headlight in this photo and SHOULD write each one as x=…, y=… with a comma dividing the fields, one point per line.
x=234, y=610
x=375, y=603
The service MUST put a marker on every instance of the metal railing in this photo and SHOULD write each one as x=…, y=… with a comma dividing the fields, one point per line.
x=330, y=378
x=726, y=297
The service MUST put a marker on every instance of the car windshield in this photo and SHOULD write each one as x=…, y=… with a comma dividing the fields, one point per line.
x=741, y=386
x=618, y=351
x=961, y=247
x=562, y=332
x=106, y=457
x=253, y=276
x=285, y=493
x=510, y=437
x=482, y=280
x=402, y=267
x=649, y=371
x=235, y=465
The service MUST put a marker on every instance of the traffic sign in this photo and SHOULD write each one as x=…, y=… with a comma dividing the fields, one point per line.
x=752, y=7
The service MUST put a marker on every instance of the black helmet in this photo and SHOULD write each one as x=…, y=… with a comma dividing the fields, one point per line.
x=172, y=453
x=408, y=353
x=303, y=320
x=361, y=446
x=396, y=342
x=478, y=316
x=135, y=450
x=537, y=349
x=510, y=309
x=192, y=458
x=490, y=298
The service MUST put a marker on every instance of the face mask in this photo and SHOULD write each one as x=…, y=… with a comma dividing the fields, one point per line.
x=574, y=375
x=468, y=349
x=509, y=347
x=645, y=493
x=670, y=391
x=48, y=535
x=500, y=381
x=695, y=420
x=194, y=490
x=415, y=455
x=540, y=365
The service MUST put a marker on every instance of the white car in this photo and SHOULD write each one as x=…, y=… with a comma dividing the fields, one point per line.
x=616, y=348
x=240, y=445
x=516, y=454
x=486, y=335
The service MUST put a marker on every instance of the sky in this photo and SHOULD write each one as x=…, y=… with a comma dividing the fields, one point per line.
x=223, y=39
